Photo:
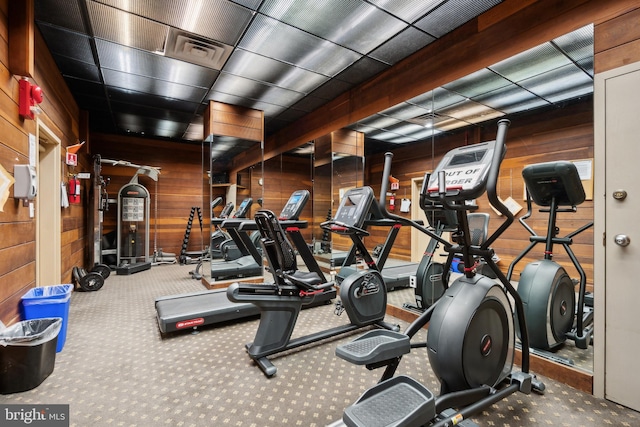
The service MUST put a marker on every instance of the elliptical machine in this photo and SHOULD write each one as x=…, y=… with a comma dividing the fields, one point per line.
x=548, y=293
x=471, y=339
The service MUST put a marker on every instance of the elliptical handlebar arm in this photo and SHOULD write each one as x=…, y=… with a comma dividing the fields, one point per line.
x=492, y=182
x=386, y=173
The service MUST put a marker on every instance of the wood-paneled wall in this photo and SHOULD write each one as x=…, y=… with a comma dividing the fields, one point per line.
x=60, y=114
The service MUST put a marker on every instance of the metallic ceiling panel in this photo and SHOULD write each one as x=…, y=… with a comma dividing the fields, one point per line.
x=126, y=29
x=331, y=89
x=437, y=99
x=270, y=110
x=467, y=110
x=578, y=44
x=474, y=84
x=254, y=90
x=151, y=112
x=67, y=43
x=274, y=39
x=117, y=94
x=153, y=86
x=128, y=60
x=378, y=121
x=530, y=63
x=349, y=23
x=251, y=4
x=362, y=70
x=62, y=13
x=215, y=19
x=405, y=111
x=132, y=122
x=401, y=45
x=560, y=84
x=81, y=70
x=78, y=86
x=452, y=14
x=510, y=100
x=309, y=103
x=267, y=70
x=407, y=10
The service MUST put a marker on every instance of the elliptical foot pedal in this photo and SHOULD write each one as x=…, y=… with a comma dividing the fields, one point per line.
x=399, y=400
x=374, y=346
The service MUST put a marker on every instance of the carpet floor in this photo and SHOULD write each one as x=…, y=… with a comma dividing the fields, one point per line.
x=116, y=369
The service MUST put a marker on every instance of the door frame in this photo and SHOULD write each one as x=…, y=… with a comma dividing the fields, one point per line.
x=599, y=215
x=48, y=211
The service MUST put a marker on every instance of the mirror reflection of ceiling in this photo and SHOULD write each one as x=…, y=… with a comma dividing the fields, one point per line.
x=548, y=75
x=149, y=67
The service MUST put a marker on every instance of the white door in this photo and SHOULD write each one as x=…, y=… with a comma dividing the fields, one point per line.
x=618, y=140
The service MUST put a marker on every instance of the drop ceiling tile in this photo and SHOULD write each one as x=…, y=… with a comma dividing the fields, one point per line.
x=270, y=110
x=117, y=94
x=362, y=70
x=560, y=84
x=401, y=45
x=126, y=29
x=468, y=109
x=578, y=44
x=251, y=89
x=474, y=84
x=80, y=70
x=215, y=19
x=69, y=44
x=509, y=100
x=452, y=14
x=133, y=82
x=530, y=63
x=348, y=23
x=267, y=70
x=407, y=10
x=141, y=63
x=331, y=90
x=64, y=14
x=273, y=39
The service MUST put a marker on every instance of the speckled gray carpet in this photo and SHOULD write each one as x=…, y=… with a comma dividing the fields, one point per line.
x=117, y=370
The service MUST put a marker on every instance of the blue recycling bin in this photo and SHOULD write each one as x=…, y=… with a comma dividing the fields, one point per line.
x=49, y=301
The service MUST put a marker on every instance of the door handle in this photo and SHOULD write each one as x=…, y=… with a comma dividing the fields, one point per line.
x=622, y=240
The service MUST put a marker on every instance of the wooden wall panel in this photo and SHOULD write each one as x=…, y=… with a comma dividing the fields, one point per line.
x=617, y=41
x=60, y=114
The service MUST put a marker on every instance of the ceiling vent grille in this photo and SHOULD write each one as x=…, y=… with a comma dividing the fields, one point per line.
x=196, y=50
x=427, y=119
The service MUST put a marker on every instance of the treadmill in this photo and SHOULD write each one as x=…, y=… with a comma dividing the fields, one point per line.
x=250, y=261
x=188, y=311
x=394, y=276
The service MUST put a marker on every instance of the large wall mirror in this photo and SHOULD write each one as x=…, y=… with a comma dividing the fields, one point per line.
x=547, y=92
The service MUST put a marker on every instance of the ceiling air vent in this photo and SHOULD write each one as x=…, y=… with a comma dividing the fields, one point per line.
x=197, y=50
x=426, y=120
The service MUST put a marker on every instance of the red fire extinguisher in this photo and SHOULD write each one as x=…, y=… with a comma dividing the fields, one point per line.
x=392, y=202
x=74, y=190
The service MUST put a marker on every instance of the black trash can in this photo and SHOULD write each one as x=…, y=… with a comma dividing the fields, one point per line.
x=27, y=353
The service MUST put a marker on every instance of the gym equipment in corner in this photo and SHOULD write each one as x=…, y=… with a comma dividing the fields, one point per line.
x=190, y=310
x=363, y=295
x=395, y=276
x=471, y=339
x=552, y=313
